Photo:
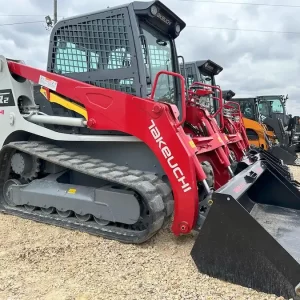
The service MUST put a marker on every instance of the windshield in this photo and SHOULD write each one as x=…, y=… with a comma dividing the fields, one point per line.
x=264, y=109
x=267, y=107
x=208, y=79
x=276, y=106
x=158, y=57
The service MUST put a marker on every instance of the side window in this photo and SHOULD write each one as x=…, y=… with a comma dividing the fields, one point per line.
x=190, y=80
x=101, y=46
x=190, y=76
x=247, y=109
x=263, y=109
x=72, y=59
x=94, y=60
x=277, y=106
x=118, y=59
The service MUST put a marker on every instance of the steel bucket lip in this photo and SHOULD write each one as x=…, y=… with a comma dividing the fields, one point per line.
x=282, y=223
x=233, y=246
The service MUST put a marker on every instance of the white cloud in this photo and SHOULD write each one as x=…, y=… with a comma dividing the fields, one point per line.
x=254, y=63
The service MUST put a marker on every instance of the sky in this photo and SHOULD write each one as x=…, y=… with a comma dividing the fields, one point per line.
x=254, y=62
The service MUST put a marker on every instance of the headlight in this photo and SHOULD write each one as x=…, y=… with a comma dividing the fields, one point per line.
x=177, y=28
x=154, y=10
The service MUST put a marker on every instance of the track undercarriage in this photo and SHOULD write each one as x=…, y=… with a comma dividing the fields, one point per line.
x=145, y=200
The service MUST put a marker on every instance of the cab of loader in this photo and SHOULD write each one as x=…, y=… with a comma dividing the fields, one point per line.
x=203, y=71
x=249, y=108
x=252, y=119
x=121, y=48
x=274, y=107
x=274, y=114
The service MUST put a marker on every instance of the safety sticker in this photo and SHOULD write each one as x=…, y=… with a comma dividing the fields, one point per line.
x=48, y=83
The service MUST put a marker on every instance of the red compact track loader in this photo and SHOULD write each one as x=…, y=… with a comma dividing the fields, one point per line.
x=104, y=151
x=229, y=117
x=230, y=122
x=201, y=75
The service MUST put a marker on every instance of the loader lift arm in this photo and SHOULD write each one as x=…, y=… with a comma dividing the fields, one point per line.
x=158, y=128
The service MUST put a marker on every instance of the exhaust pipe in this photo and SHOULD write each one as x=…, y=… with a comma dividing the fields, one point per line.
x=250, y=232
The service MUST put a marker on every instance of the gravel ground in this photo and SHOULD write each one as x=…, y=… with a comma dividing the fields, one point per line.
x=43, y=262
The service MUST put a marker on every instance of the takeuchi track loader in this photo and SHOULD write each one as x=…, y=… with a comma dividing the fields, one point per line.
x=109, y=156
x=257, y=132
x=200, y=79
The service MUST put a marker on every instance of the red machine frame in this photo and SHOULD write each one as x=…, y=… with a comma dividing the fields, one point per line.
x=158, y=127
x=212, y=146
x=179, y=155
x=233, y=132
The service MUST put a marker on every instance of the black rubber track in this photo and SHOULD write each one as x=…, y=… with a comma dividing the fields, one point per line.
x=155, y=194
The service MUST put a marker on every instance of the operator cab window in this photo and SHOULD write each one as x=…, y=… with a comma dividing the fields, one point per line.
x=247, y=109
x=157, y=53
x=72, y=58
x=212, y=104
x=189, y=74
x=276, y=106
x=264, y=109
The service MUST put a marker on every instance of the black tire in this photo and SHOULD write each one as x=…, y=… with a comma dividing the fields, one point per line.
x=209, y=172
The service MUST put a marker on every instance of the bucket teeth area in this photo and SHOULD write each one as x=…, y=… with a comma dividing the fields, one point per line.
x=250, y=235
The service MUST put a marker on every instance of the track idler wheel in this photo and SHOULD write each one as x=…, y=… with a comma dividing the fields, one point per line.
x=7, y=191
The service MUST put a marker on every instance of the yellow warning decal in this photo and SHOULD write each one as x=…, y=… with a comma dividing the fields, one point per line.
x=72, y=191
x=65, y=103
x=192, y=144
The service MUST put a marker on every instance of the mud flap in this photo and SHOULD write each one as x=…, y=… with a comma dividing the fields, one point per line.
x=288, y=156
x=250, y=235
